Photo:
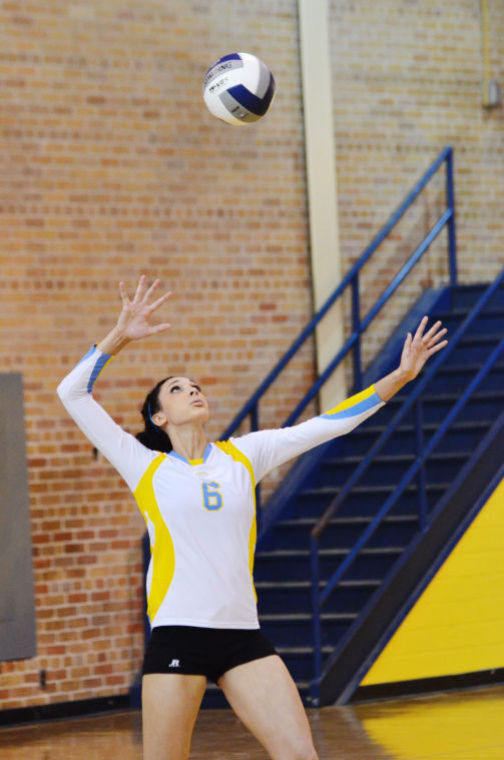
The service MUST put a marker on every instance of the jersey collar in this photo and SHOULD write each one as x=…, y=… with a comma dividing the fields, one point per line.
x=206, y=454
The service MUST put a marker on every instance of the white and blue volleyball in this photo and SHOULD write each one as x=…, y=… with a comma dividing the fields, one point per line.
x=238, y=88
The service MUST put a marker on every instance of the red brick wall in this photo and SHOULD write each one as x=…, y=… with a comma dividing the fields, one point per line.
x=112, y=166
x=407, y=81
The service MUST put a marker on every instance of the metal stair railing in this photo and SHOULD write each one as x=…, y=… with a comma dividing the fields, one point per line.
x=416, y=469
x=359, y=326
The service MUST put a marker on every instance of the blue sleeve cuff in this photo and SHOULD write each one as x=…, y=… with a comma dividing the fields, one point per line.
x=100, y=362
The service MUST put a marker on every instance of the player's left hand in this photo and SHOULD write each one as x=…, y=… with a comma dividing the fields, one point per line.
x=418, y=349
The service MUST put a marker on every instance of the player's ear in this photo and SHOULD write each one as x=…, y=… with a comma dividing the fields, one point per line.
x=159, y=419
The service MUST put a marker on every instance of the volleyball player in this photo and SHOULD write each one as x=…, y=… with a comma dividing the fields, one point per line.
x=197, y=499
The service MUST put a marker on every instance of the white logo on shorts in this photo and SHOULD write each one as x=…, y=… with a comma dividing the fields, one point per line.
x=174, y=664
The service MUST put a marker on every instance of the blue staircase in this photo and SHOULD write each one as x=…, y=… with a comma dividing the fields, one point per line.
x=282, y=568
x=334, y=535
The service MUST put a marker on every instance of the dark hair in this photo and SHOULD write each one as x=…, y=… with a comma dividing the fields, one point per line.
x=153, y=436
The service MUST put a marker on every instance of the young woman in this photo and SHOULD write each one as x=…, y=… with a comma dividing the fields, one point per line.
x=197, y=499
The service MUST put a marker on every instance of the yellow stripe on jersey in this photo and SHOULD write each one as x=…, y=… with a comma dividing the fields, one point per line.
x=163, y=552
x=229, y=448
x=353, y=400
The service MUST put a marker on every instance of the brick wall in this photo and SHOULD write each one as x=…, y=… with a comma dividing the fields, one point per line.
x=407, y=81
x=112, y=166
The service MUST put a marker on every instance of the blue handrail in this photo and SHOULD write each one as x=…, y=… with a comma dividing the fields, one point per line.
x=423, y=451
x=448, y=217
x=251, y=408
x=354, y=339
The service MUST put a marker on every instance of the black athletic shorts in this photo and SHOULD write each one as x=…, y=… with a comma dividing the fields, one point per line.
x=202, y=651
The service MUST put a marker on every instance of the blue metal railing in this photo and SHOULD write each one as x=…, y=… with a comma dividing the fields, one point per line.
x=359, y=326
x=416, y=469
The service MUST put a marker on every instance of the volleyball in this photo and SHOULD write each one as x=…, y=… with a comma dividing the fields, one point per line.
x=238, y=88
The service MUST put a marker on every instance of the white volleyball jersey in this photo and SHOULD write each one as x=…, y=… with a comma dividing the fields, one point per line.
x=200, y=514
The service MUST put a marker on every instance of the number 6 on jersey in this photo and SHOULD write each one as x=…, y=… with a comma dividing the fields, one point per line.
x=212, y=499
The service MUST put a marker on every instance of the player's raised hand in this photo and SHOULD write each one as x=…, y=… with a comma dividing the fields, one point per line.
x=418, y=348
x=135, y=319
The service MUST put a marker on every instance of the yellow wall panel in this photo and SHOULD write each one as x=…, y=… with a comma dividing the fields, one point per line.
x=457, y=625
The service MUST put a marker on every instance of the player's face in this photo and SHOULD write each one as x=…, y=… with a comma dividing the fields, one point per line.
x=182, y=401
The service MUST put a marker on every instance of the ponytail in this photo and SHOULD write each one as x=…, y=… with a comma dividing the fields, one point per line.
x=153, y=437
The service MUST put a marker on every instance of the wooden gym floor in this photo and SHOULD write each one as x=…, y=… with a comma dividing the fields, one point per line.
x=465, y=725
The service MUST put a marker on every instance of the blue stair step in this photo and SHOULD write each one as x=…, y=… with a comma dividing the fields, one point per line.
x=435, y=407
x=474, y=349
x=294, y=564
x=456, y=378
x=295, y=596
x=363, y=500
x=490, y=320
x=387, y=470
x=480, y=407
x=297, y=629
x=462, y=436
x=466, y=296
x=342, y=532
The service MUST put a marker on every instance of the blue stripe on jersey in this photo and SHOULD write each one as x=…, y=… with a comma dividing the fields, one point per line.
x=359, y=408
x=206, y=454
x=89, y=353
x=178, y=456
x=102, y=360
x=251, y=102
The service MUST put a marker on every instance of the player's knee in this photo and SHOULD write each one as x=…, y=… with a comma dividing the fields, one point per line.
x=303, y=750
x=309, y=753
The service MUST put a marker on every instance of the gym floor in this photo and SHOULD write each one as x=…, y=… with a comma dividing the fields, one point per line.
x=466, y=725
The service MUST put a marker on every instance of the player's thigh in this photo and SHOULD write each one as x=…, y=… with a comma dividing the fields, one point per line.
x=170, y=704
x=265, y=698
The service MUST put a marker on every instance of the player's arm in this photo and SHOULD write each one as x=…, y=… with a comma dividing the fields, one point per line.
x=268, y=449
x=126, y=454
